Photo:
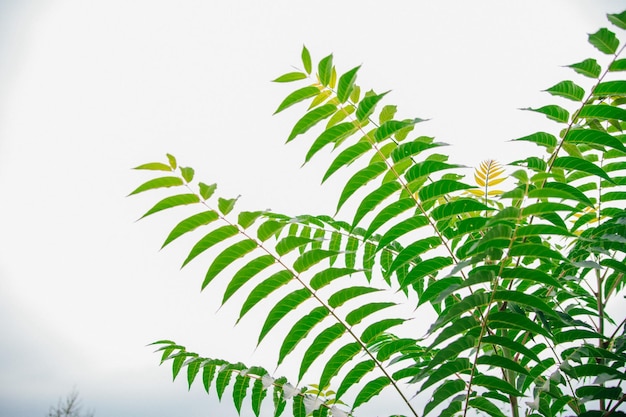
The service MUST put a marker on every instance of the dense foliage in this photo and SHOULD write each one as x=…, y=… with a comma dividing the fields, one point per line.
x=522, y=265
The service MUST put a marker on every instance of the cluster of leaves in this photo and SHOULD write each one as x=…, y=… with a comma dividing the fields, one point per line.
x=519, y=278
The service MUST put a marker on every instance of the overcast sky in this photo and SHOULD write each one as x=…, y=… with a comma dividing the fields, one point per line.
x=89, y=89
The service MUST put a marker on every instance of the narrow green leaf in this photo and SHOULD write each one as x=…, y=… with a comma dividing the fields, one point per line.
x=346, y=157
x=227, y=257
x=512, y=345
x=311, y=119
x=568, y=90
x=222, y=381
x=604, y=40
x=354, y=376
x=189, y=224
x=443, y=392
x=588, y=67
x=172, y=201
x=193, y=367
x=172, y=160
x=534, y=250
x=573, y=163
x=331, y=135
x=258, y=394
x=358, y=180
x=311, y=258
x=413, y=148
x=357, y=315
x=325, y=70
x=209, y=240
x=457, y=207
x=391, y=127
x=368, y=105
x=618, y=65
x=343, y=295
x=263, y=289
x=350, y=253
x=300, y=330
x=412, y=251
x=611, y=88
x=370, y=390
x=439, y=188
x=618, y=19
x=289, y=77
x=319, y=345
x=337, y=361
x=162, y=182
x=346, y=84
x=456, y=366
x=501, y=362
x=306, y=59
x=240, y=389
x=155, y=166
x=281, y=309
x=509, y=320
x=268, y=229
x=483, y=404
x=388, y=213
x=247, y=218
x=387, y=113
x=297, y=96
x=603, y=112
x=289, y=243
x=324, y=277
x=208, y=372
x=553, y=112
x=426, y=168
x=373, y=199
x=377, y=328
x=246, y=273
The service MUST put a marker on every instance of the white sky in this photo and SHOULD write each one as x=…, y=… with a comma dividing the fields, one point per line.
x=89, y=89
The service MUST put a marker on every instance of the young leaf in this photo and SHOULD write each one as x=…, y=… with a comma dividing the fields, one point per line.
x=306, y=59
x=289, y=77
x=346, y=84
x=297, y=96
x=162, y=182
x=206, y=191
x=311, y=119
x=173, y=201
x=325, y=70
x=368, y=105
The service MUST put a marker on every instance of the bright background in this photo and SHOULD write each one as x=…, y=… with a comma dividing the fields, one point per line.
x=89, y=89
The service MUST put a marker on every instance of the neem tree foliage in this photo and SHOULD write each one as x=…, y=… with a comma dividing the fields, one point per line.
x=519, y=275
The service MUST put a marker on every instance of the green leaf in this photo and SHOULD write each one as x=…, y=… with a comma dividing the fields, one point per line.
x=377, y=328
x=604, y=40
x=298, y=96
x=424, y=268
x=246, y=273
x=324, y=277
x=208, y=372
x=263, y=289
x=610, y=88
x=346, y=84
x=443, y=392
x=501, y=362
x=415, y=147
x=190, y=224
x=319, y=345
x=553, y=112
x=325, y=70
x=482, y=403
x=370, y=390
x=306, y=59
x=618, y=65
x=573, y=163
x=290, y=76
x=373, y=199
x=509, y=320
x=162, y=182
x=240, y=389
x=368, y=105
x=388, y=213
x=311, y=119
x=331, y=135
x=603, y=112
x=457, y=207
x=357, y=315
x=496, y=384
x=568, y=90
x=588, y=68
x=535, y=250
x=172, y=160
x=337, y=361
x=206, y=191
x=223, y=379
x=258, y=394
x=391, y=127
x=155, y=166
x=618, y=20
x=343, y=295
x=247, y=218
x=226, y=205
x=187, y=173
x=360, y=179
x=172, y=201
x=412, y=251
x=439, y=188
x=387, y=113
x=300, y=330
x=354, y=376
x=426, y=168
x=311, y=258
x=346, y=157
x=512, y=345
x=281, y=309
x=456, y=366
x=209, y=240
x=227, y=257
